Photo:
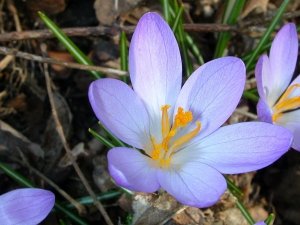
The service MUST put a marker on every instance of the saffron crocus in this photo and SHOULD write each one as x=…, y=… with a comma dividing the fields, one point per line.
x=279, y=101
x=181, y=147
x=28, y=206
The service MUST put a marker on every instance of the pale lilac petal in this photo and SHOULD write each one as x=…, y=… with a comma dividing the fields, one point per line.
x=120, y=110
x=242, y=147
x=132, y=170
x=291, y=121
x=265, y=80
x=213, y=92
x=263, y=111
x=27, y=206
x=193, y=184
x=283, y=57
x=260, y=223
x=155, y=65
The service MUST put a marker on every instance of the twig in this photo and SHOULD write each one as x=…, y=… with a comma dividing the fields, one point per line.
x=67, y=148
x=13, y=10
x=80, y=208
x=244, y=113
x=208, y=27
x=31, y=57
x=114, y=30
x=102, y=30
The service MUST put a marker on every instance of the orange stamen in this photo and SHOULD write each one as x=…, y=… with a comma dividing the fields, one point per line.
x=286, y=103
x=162, y=152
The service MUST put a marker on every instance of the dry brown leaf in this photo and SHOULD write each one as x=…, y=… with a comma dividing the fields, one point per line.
x=252, y=5
x=108, y=10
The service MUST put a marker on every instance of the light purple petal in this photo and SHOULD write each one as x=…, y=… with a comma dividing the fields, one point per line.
x=265, y=80
x=155, y=65
x=242, y=147
x=120, y=110
x=263, y=111
x=213, y=92
x=283, y=57
x=194, y=184
x=28, y=206
x=291, y=121
x=260, y=223
x=132, y=170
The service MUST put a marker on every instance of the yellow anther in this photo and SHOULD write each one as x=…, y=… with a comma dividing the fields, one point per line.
x=182, y=118
x=162, y=152
x=285, y=103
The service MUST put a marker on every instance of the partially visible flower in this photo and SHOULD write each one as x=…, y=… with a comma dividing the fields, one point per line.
x=182, y=149
x=279, y=101
x=27, y=206
x=260, y=223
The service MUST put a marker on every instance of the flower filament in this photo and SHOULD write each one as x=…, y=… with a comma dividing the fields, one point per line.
x=162, y=152
x=286, y=103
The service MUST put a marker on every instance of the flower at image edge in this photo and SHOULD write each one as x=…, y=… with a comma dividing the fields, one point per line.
x=182, y=147
x=279, y=101
x=25, y=206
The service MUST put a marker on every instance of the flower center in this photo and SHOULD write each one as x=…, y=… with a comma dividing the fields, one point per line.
x=162, y=152
x=286, y=103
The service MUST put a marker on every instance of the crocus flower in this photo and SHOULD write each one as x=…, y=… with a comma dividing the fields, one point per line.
x=279, y=101
x=176, y=130
x=260, y=223
x=27, y=206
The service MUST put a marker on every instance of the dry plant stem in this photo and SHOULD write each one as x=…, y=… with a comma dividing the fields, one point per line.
x=111, y=31
x=244, y=113
x=263, y=20
x=101, y=30
x=68, y=150
x=80, y=208
x=13, y=10
x=31, y=57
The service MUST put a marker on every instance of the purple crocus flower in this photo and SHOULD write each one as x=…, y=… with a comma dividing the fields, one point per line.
x=260, y=223
x=182, y=148
x=27, y=206
x=279, y=101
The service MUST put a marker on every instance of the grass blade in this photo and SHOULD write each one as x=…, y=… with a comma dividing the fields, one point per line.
x=102, y=139
x=123, y=54
x=233, y=10
x=79, y=56
x=267, y=34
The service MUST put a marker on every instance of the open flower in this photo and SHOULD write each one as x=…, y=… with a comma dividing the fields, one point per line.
x=25, y=206
x=279, y=101
x=181, y=148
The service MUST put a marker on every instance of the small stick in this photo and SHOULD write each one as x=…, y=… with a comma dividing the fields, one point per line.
x=244, y=113
x=13, y=10
x=31, y=57
x=80, y=208
x=102, y=30
x=60, y=131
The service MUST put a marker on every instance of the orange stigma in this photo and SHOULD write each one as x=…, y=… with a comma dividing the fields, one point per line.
x=162, y=152
x=286, y=103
